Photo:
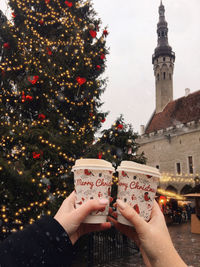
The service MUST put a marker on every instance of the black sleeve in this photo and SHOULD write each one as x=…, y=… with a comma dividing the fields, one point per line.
x=44, y=243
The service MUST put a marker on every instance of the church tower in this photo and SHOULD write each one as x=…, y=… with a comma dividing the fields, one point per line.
x=163, y=60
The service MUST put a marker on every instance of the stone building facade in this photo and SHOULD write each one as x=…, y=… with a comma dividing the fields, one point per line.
x=171, y=138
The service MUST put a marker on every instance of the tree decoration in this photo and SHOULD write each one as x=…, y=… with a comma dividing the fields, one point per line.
x=13, y=15
x=100, y=154
x=47, y=1
x=103, y=120
x=33, y=79
x=41, y=117
x=69, y=4
x=120, y=126
x=36, y=155
x=93, y=33
x=98, y=67
x=105, y=32
x=29, y=97
x=6, y=45
x=26, y=97
x=91, y=26
x=81, y=80
x=41, y=22
x=49, y=51
x=102, y=56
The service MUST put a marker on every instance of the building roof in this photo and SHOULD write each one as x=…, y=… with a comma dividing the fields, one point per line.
x=180, y=111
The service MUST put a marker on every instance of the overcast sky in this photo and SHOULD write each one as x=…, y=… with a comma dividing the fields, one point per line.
x=132, y=25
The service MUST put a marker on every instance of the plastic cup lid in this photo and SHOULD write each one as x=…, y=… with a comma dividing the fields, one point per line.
x=136, y=167
x=94, y=164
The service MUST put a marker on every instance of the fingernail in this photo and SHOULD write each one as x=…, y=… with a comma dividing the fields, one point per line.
x=121, y=204
x=103, y=201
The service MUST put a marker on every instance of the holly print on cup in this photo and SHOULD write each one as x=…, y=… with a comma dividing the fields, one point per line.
x=93, y=180
x=139, y=191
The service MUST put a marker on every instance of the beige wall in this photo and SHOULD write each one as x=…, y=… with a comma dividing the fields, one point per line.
x=166, y=152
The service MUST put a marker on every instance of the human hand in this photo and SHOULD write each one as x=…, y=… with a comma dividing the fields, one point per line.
x=71, y=219
x=152, y=237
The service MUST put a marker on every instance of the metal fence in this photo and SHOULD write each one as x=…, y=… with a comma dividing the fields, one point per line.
x=98, y=248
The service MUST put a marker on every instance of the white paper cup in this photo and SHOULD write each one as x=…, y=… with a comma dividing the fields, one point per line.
x=137, y=186
x=93, y=180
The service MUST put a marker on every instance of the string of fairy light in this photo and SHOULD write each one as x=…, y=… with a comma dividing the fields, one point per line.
x=60, y=80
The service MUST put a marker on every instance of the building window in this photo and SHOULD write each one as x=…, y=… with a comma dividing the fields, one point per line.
x=164, y=59
x=178, y=167
x=158, y=77
x=158, y=167
x=164, y=75
x=190, y=163
x=180, y=142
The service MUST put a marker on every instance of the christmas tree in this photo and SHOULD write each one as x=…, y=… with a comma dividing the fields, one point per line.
x=52, y=56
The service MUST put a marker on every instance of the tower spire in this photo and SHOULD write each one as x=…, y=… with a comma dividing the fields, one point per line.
x=163, y=61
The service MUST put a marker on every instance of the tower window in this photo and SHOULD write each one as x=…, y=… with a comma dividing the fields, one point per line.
x=163, y=34
x=158, y=77
x=190, y=163
x=164, y=75
x=164, y=59
x=158, y=167
x=178, y=167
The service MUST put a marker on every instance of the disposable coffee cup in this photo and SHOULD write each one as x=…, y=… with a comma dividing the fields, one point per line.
x=137, y=186
x=93, y=180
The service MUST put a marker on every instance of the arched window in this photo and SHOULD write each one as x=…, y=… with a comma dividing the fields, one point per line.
x=164, y=75
x=172, y=189
x=158, y=77
x=164, y=59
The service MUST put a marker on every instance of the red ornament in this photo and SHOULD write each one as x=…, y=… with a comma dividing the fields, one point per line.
x=103, y=120
x=49, y=51
x=34, y=79
x=29, y=98
x=41, y=22
x=81, y=80
x=13, y=15
x=41, y=117
x=36, y=155
x=120, y=126
x=98, y=67
x=105, y=32
x=47, y=1
x=6, y=45
x=93, y=33
x=69, y=4
x=23, y=97
x=100, y=154
x=102, y=56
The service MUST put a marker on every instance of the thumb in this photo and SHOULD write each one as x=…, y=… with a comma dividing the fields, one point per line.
x=131, y=215
x=91, y=205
